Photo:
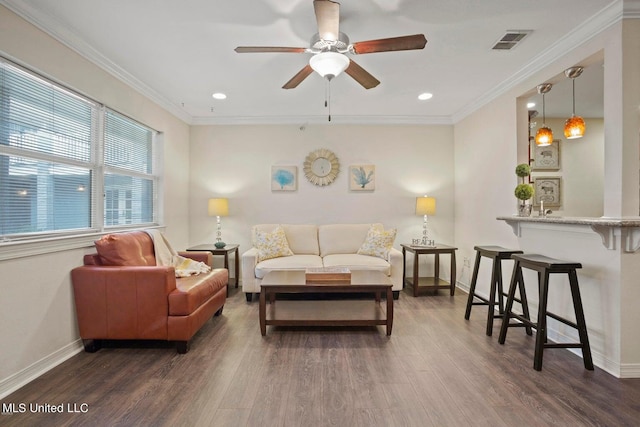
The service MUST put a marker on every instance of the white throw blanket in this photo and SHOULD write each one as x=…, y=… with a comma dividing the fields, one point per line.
x=166, y=256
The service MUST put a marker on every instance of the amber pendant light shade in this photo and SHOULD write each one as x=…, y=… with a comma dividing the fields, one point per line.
x=574, y=127
x=544, y=136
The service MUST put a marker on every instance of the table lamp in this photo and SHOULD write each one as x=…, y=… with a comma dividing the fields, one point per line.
x=426, y=206
x=218, y=208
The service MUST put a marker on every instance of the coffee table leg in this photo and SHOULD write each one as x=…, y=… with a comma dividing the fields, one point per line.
x=389, y=311
x=263, y=312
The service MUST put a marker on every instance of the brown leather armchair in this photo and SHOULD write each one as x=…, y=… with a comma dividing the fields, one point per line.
x=120, y=294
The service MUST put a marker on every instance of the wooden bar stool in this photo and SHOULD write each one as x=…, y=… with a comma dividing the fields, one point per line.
x=497, y=254
x=546, y=266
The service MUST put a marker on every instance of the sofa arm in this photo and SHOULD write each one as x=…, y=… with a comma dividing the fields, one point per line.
x=397, y=268
x=201, y=256
x=122, y=302
x=248, y=270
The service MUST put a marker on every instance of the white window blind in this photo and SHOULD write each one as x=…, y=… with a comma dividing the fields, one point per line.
x=129, y=182
x=58, y=172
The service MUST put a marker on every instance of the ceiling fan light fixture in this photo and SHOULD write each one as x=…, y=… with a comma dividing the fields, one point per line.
x=329, y=64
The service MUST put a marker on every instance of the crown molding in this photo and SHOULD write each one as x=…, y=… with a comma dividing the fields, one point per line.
x=590, y=28
x=335, y=119
x=631, y=9
x=77, y=44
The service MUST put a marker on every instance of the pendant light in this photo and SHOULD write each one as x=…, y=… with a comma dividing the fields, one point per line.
x=544, y=136
x=574, y=127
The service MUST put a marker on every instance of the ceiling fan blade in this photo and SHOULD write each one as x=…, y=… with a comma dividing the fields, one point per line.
x=416, y=41
x=298, y=78
x=362, y=76
x=269, y=49
x=328, y=18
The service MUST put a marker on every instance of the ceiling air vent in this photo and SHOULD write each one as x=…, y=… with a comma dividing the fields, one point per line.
x=510, y=39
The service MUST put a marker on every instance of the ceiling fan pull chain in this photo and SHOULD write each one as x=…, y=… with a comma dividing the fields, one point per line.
x=327, y=96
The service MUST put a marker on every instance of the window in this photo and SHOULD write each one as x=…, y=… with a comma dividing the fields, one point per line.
x=129, y=183
x=69, y=165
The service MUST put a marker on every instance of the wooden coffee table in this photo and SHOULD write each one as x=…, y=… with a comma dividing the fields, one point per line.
x=325, y=312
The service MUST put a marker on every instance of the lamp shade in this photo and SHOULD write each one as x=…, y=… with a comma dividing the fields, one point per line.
x=218, y=207
x=574, y=127
x=329, y=63
x=544, y=136
x=425, y=205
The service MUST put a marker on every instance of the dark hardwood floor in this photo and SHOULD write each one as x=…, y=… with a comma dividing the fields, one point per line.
x=436, y=369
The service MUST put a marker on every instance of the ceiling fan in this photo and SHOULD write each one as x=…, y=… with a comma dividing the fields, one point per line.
x=329, y=48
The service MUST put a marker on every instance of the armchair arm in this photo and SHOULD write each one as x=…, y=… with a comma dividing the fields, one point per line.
x=122, y=302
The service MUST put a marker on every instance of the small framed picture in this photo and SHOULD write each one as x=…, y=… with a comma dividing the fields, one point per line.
x=548, y=189
x=362, y=177
x=284, y=178
x=545, y=158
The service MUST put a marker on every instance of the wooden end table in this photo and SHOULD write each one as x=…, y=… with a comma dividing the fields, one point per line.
x=324, y=312
x=229, y=248
x=428, y=283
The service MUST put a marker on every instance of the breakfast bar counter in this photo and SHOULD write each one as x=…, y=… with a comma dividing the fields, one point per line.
x=609, y=250
x=613, y=231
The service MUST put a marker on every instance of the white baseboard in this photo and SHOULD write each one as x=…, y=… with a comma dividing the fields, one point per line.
x=630, y=370
x=28, y=374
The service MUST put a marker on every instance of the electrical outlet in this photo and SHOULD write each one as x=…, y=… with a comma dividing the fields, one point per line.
x=466, y=262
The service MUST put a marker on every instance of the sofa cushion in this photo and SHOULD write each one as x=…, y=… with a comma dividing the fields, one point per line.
x=133, y=248
x=295, y=262
x=342, y=238
x=272, y=244
x=356, y=262
x=378, y=242
x=302, y=238
x=193, y=291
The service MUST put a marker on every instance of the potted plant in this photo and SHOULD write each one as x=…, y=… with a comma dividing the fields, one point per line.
x=523, y=191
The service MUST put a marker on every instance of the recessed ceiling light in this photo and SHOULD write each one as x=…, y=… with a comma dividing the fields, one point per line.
x=425, y=96
x=531, y=104
x=219, y=95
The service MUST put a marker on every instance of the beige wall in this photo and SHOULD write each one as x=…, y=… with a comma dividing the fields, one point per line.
x=235, y=162
x=37, y=320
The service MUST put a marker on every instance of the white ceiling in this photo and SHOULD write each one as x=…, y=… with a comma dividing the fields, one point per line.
x=180, y=52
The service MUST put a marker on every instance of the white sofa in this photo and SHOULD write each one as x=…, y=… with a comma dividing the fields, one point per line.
x=332, y=245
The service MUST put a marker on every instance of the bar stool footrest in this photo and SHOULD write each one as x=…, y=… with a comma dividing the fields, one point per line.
x=563, y=345
x=563, y=320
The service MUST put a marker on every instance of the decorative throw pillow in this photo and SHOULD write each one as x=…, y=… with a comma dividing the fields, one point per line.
x=378, y=242
x=272, y=245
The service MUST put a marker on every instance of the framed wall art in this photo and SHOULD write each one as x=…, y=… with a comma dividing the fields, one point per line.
x=548, y=189
x=284, y=178
x=545, y=158
x=362, y=177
